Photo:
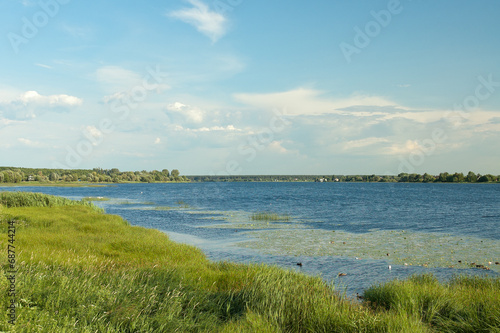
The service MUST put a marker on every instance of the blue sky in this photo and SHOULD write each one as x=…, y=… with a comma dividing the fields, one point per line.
x=251, y=87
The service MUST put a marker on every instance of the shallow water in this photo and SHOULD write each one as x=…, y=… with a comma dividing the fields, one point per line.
x=334, y=227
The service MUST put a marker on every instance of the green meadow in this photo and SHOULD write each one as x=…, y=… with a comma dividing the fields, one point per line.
x=78, y=269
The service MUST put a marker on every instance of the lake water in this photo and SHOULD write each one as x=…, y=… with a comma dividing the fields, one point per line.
x=354, y=228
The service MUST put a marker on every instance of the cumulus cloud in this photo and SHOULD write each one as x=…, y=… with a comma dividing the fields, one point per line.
x=277, y=147
x=30, y=143
x=30, y=104
x=33, y=97
x=189, y=114
x=209, y=23
x=228, y=128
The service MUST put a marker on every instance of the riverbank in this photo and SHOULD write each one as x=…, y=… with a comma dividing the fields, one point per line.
x=80, y=269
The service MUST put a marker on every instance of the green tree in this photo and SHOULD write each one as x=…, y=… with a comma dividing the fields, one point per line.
x=403, y=177
x=443, y=177
x=426, y=178
x=53, y=177
x=471, y=177
x=175, y=173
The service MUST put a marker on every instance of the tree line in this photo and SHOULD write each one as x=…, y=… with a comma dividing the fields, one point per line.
x=443, y=177
x=99, y=175
x=96, y=175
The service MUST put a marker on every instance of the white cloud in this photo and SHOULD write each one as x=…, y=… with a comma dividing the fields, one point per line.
x=209, y=23
x=29, y=143
x=94, y=133
x=34, y=98
x=276, y=146
x=229, y=128
x=309, y=102
x=363, y=142
x=157, y=141
x=190, y=114
x=31, y=104
x=417, y=146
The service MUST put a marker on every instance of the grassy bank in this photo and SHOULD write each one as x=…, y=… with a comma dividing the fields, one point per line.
x=81, y=270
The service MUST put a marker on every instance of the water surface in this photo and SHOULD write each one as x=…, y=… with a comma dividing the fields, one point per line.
x=354, y=228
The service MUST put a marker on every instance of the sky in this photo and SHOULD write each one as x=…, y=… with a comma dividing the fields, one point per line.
x=246, y=87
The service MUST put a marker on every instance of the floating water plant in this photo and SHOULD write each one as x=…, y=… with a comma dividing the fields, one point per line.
x=397, y=247
x=267, y=216
x=95, y=199
x=182, y=204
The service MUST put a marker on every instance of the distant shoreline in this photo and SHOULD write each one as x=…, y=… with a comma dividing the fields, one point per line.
x=85, y=177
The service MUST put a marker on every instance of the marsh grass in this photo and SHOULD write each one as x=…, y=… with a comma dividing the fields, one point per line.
x=28, y=199
x=464, y=304
x=268, y=216
x=80, y=270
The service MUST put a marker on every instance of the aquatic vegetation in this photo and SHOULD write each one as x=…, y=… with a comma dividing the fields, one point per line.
x=397, y=247
x=242, y=220
x=163, y=208
x=267, y=216
x=182, y=204
x=253, y=226
x=95, y=199
x=128, y=202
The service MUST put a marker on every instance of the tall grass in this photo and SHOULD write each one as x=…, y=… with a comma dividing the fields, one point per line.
x=28, y=199
x=464, y=304
x=83, y=271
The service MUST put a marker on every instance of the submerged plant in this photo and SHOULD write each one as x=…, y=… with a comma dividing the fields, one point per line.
x=267, y=216
x=95, y=199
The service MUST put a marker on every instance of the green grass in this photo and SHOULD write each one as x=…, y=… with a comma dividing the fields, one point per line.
x=267, y=216
x=28, y=199
x=80, y=270
x=464, y=304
